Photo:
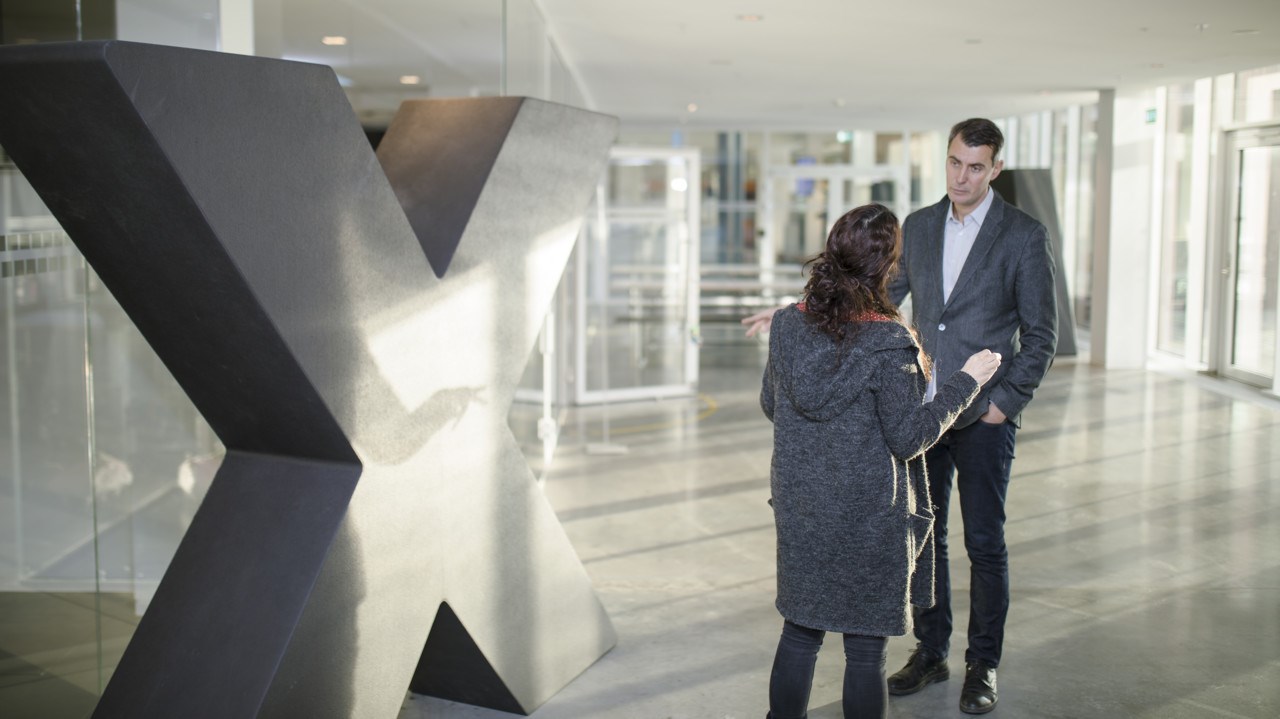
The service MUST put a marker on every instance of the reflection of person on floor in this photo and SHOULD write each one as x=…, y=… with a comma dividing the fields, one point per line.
x=844, y=387
x=980, y=275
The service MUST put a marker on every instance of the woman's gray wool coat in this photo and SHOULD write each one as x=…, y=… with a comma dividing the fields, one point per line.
x=850, y=496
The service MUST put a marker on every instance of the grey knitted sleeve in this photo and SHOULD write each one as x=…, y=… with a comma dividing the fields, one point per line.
x=766, y=391
x=909, y=426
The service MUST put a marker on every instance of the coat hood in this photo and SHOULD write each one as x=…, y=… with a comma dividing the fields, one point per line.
x=819, y=377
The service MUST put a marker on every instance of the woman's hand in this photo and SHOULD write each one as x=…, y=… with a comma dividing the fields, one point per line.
x=759, y=322
x=982, y=365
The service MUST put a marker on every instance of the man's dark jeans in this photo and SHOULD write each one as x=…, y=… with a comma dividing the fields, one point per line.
x=865, y=692
x=980, y=457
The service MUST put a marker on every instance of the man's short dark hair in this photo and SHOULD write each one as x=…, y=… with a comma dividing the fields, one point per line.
x=979, y=131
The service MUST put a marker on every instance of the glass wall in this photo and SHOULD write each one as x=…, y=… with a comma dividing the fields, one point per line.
x=50, y=626
x=735, y=217
x=1213, y=239
x=105, y=460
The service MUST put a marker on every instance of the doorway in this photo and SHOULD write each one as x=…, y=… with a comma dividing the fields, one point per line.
x=637, y=330
x=1250, y=264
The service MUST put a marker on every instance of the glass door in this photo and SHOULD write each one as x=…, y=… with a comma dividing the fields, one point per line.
x=1251, y=262
x=638, y=295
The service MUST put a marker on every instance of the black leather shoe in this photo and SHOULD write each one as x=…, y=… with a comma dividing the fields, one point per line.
x=979, y=693
x=922, y=669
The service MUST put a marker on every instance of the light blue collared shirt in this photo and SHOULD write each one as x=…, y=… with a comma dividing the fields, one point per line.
x=958, y=237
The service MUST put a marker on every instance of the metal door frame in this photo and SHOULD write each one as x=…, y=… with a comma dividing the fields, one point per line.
x=690, y=261
x=1234, y=141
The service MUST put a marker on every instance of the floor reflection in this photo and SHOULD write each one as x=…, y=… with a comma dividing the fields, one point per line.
x=1144, y=532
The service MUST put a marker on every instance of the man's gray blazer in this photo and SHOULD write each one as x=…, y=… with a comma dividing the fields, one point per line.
x=1003, y=301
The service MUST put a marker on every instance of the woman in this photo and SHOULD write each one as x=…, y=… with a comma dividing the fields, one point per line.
x=844, y=388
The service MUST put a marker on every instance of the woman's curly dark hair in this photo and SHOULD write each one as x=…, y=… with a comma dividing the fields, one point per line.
x=850, y=279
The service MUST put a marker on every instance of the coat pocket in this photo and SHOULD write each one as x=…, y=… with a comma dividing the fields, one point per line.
x=920, y=531
x=920, y=536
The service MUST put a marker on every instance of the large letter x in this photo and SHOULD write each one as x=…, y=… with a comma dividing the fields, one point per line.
x=355, y=343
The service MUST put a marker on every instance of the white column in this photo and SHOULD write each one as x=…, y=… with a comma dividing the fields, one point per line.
x=1100, y=272
x=1124, y=305
x=1155, y=247
x=1071, y=203
x=235, y=26
x=1198, y=266
x=1217, y=235
x=1046, y=139
x=902, y=193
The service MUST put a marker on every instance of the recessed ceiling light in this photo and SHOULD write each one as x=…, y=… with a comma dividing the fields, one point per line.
x=1244, y=32
x=693, y=107
x=333, y=40
x=410, y=79
x=751, y=18
x=1202, y=26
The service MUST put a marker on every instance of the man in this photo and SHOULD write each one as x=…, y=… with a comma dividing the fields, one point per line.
x=980, y=274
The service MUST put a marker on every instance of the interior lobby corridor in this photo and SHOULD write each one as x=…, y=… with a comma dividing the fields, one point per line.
x=1143, y=531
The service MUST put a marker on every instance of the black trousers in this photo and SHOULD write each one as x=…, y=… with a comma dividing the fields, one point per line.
x=865, y=691
x=979, y=457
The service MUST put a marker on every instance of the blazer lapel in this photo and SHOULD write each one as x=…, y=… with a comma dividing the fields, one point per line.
x=981, y=246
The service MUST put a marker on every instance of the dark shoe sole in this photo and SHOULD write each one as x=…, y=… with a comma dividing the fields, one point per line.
x=977, y=710
x=928, y=679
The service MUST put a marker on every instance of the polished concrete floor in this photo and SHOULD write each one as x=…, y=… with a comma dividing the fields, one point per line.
x=1144, y=537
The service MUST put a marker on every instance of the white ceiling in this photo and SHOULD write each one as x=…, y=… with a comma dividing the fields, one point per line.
x=822, y=64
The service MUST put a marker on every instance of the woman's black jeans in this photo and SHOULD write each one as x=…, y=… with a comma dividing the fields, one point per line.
x=865, y=692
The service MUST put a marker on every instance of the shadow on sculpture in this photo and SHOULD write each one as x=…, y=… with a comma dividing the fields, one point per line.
x=353, y=328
